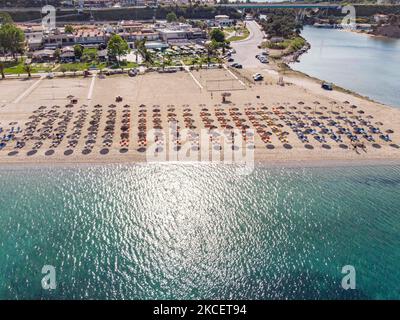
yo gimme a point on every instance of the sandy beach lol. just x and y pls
(184, 112)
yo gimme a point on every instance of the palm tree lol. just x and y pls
(147, 57)
(210, 51)
(138, 44)
(28, 69)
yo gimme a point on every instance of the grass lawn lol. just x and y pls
(17, 67)
(290, 45)
(242, 34)
(82, 66)
(79, 66)
(202, 59)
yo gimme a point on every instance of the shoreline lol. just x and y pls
(288, 68)
(287, 164)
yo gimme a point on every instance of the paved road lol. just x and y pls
(246, 50)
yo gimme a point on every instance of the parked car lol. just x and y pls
(230, 60)
(327, 86)
(236, 65)
(257, 77)
(132, 72)
(262, 58)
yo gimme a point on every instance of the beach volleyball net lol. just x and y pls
(223, 85)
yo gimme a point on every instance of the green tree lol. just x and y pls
(211, 47)
(69, 29)
(171, 17)
(117, 47)
(281, 25)
(78, 51)
(217, 35)
(138, 44)
(12, 40)
(142, 50)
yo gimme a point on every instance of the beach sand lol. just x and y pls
(20, 100)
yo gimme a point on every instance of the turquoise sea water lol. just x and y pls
(199, 231)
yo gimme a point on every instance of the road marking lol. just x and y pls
(91, 87)
(234, 75)
(193, 77)
(28, 91)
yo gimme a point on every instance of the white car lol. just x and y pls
(258, 77)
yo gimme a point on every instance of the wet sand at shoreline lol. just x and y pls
(54, 131)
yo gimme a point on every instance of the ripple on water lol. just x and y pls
(199, 231)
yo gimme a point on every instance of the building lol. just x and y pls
(90, 36)
(46, 55)
(223, 21)
(381, 18)
(171, 34)
(67, 54)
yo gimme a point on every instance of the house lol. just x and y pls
(171, 34)
(34, 41)
(89, 36)
(58, 39)
(45, 55)
(223, 21)
(67, 54)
